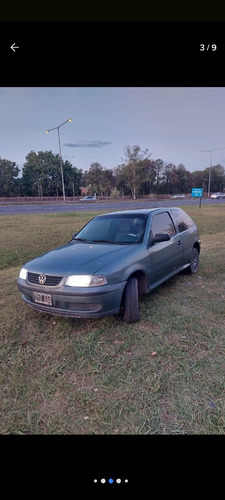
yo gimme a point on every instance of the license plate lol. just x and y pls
(43, 298)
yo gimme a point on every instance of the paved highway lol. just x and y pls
(99, 206)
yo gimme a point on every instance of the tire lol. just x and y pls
(194, 264)
(131, 302)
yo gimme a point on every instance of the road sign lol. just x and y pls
(197, 192)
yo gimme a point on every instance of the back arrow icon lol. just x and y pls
(14, 47)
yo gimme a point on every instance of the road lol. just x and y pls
(99, 206)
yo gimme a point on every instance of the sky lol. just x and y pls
(171, 122)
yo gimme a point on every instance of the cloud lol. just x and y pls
(83, 144)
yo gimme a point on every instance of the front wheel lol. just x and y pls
(131, 301)
(194, 264)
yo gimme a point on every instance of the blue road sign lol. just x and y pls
(197, 192)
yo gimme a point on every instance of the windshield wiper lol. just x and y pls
(82, 239)
(111, 242)
(103, 241)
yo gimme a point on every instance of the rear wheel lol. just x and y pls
(131, 301)
(194, 264)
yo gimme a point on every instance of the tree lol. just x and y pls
(121, 185)
(200, 179)
(133, 171)
(72, 179)
(217, 182)
(38, 171)
(159, 169)
(184, 181)
(94, 178)
(42, 175)
(170, 178)
(108, 181)
(149, 168)
(8, 173)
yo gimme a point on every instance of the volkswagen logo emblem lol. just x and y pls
(42, 279)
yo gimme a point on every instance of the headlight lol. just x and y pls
(23, 274)
(86, 280)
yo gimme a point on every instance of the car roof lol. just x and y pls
(145, 211)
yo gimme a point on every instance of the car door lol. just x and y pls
(186, 229)
(164, 258)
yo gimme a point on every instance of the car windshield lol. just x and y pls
(117, 229)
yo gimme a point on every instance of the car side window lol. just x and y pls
(182, 220)
(162, 223)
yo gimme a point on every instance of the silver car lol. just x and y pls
(178, 196)
(216, 196)
(88, 198)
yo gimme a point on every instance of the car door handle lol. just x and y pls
(179, 242)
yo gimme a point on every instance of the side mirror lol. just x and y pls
(158, 238)
(73, 235)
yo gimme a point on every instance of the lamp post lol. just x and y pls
(60, 153)
(210, 166)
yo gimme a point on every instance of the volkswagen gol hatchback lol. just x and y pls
(113, 260)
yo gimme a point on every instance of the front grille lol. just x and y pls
(50, 280)
(84, 307)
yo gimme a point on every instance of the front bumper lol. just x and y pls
(93, 302)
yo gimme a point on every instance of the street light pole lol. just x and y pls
(60, 154)
(210, 166)
(61, 166)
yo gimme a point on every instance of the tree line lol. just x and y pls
(138, 174)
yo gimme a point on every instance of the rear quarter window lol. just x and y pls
(182, 220)
(162, 223)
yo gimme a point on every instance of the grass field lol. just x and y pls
(162, 375)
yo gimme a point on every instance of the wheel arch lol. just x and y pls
(142, 281)
(197, 246)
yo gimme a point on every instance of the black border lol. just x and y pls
(112, 11)
(159, 466)
(112, 54)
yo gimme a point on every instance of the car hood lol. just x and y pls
(77, 258)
